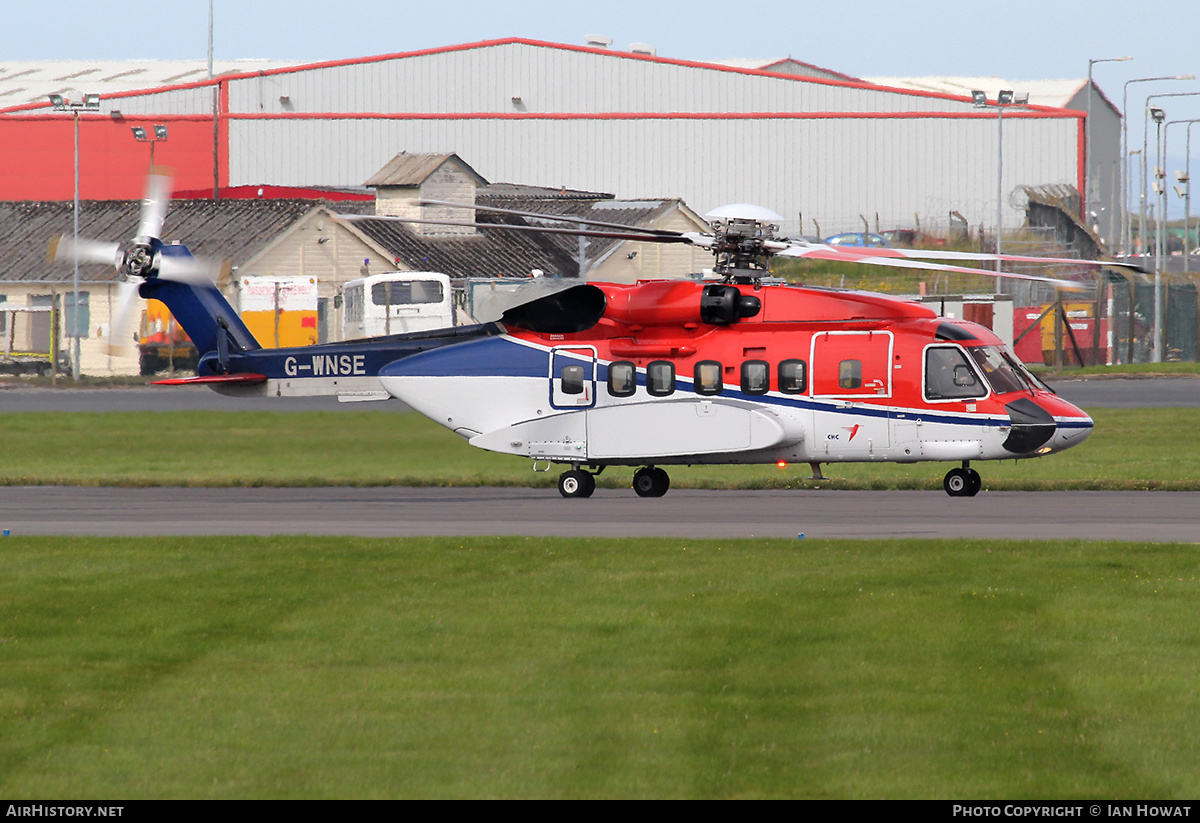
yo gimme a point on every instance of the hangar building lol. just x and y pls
(817, 147)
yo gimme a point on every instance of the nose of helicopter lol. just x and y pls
(1045, 425)
(1072, 426)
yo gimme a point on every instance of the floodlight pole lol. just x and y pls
(1145, 152)
(1159, 188)
(1187, 200)
(89, 102)
(999, 175)
(1160, 239)
(142, 136)
(1165, 135)
(1003, 98)
(1089, 188)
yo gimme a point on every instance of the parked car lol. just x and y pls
(860, 238)
(900, 237)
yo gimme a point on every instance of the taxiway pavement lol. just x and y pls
(400, 512)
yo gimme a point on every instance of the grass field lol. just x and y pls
(518, 667)
(521, 667)
(1130, 449)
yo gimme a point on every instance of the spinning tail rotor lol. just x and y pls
(140, 260)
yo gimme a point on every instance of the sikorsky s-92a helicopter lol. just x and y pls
(668, 372)
(741, 371)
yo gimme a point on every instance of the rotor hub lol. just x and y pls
(740, 249)
(140, 260)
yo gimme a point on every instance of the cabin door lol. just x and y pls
(572, 377)
(852, 382)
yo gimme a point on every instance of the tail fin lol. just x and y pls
(204, 313)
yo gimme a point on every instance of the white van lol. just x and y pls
(396, 302)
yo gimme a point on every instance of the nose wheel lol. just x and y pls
(964, 482)
(576, 483)
(651, 481)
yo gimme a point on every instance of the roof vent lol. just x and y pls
(643, 48)
(598, 40)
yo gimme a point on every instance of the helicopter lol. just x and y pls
(670, 372)
(660, 372)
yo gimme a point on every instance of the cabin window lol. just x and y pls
(622, 378)
(708, 377)
(793, 377)
(572, 379)
(755, 377)
(850, 374)
(948, 375)
(660, 378)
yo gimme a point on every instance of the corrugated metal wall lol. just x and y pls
(830, 170)
(554, 80)
(531, 113)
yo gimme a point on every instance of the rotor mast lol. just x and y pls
(741, 256)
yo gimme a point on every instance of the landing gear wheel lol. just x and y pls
(962, 483)
(976, 483)
(651, 482)
(576, 483)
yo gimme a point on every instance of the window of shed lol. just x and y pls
(755, 377)
(708, 377)
(660, 378)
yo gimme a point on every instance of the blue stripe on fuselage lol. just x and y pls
(354, 358)
(503, 356)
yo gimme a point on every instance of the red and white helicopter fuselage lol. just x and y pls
(677, 372)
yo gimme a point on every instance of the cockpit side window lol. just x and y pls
(997, 370)
(949, 375)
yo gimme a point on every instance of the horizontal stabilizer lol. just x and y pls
(362, 396)
(246, 378)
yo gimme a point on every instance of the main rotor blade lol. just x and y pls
(154, 204)
(559, 218)
(937, 254)
(85, 251)
(832, 253)
(675, 237)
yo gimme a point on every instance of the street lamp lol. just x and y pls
(1125, 152)
(1187, 200)
(84, 102)
(1160, 189)
(1159, 116)
(1146, 154)
(160, 136)
(1090, 189)
(1004, 97)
